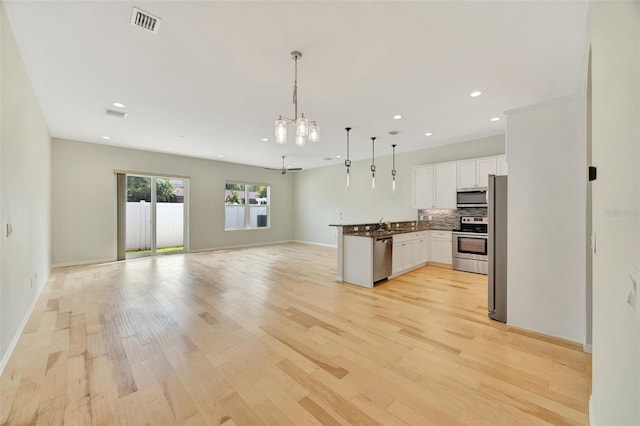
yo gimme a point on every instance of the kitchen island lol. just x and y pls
(371, 253)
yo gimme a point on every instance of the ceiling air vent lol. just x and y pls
(394, 132)
(145, 21)
(114, 113)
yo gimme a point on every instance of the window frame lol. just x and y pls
(247, 205)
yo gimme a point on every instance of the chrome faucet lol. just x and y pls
(380, 223)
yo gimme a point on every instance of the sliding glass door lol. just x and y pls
(155, 215)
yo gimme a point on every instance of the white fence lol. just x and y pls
(169, 225)
(234, 216)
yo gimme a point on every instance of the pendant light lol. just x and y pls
(393, 169)
(347, 162)
(373, 163)
(305, 129)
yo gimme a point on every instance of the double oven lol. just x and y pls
(470, 245)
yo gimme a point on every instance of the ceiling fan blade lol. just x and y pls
(294, 169)
(271, 168)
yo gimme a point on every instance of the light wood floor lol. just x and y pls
(266, 336)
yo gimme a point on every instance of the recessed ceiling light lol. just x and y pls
(338, 156)
(475, 94)
(397, 117)
(265, 139)
(106, 137)
(118, 105)
(428, 134)
(495, 119)
(221, 156)
(180, 137)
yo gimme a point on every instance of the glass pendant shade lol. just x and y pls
(393, 185)
(373, 183)
(302, 126)
(347, 186)
(281, 131)
(314, 133)
(300, 140)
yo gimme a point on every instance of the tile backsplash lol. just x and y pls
(448, 219)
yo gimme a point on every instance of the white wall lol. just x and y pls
(84, 199)
(25, 154)
(614, 32)
(547, 218)
(320, 197)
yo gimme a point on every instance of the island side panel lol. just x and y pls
(340, 241)
(358, 260)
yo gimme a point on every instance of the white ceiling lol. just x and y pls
(217, 74)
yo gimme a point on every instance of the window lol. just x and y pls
(246, 206)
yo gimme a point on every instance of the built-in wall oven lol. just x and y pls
(470, 245)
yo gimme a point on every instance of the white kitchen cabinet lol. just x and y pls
(410, 251)
(421, 249)
(440, 249)
(423, 187)
(475, 173)
(445, 188)
(503, 167)
(466, 174)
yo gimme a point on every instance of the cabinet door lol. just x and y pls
(397, 259)
(421, 251)
(445, 175)
(484, 168)
(503, 168)
(466, 174)
(441, 251)
(423, 187)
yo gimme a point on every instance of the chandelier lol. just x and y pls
(305, 129)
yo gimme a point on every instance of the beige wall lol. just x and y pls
(25, 155)
(547, 218)
(614, 32)
(320, 197)
(84, 199)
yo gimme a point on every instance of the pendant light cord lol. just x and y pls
(295, 89)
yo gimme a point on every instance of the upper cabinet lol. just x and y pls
(434, 186)
(475, 173)
(445, 185)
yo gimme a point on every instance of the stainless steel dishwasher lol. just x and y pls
(382, 257)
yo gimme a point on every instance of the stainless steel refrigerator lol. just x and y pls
(497, 249)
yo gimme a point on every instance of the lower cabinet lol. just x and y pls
(440, 249)
(410, 251)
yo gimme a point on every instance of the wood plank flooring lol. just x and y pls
(266, 336)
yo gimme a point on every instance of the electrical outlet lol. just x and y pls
(430, 217)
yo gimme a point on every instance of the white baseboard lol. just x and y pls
(591, 411)
(587, 348)
(316, 244)
(83, 262)
(239, 246)
(23, 324)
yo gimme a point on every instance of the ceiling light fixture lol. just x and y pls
(393, 169)
(265, 139)
(373, 163)
(495, 119)
(106, 137)
(347, 162)
(304, 130)
(475, 94)
(428, 134)
(397, 117)
(220, 156)
(118, 105)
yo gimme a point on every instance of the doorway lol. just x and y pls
(152, 215)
